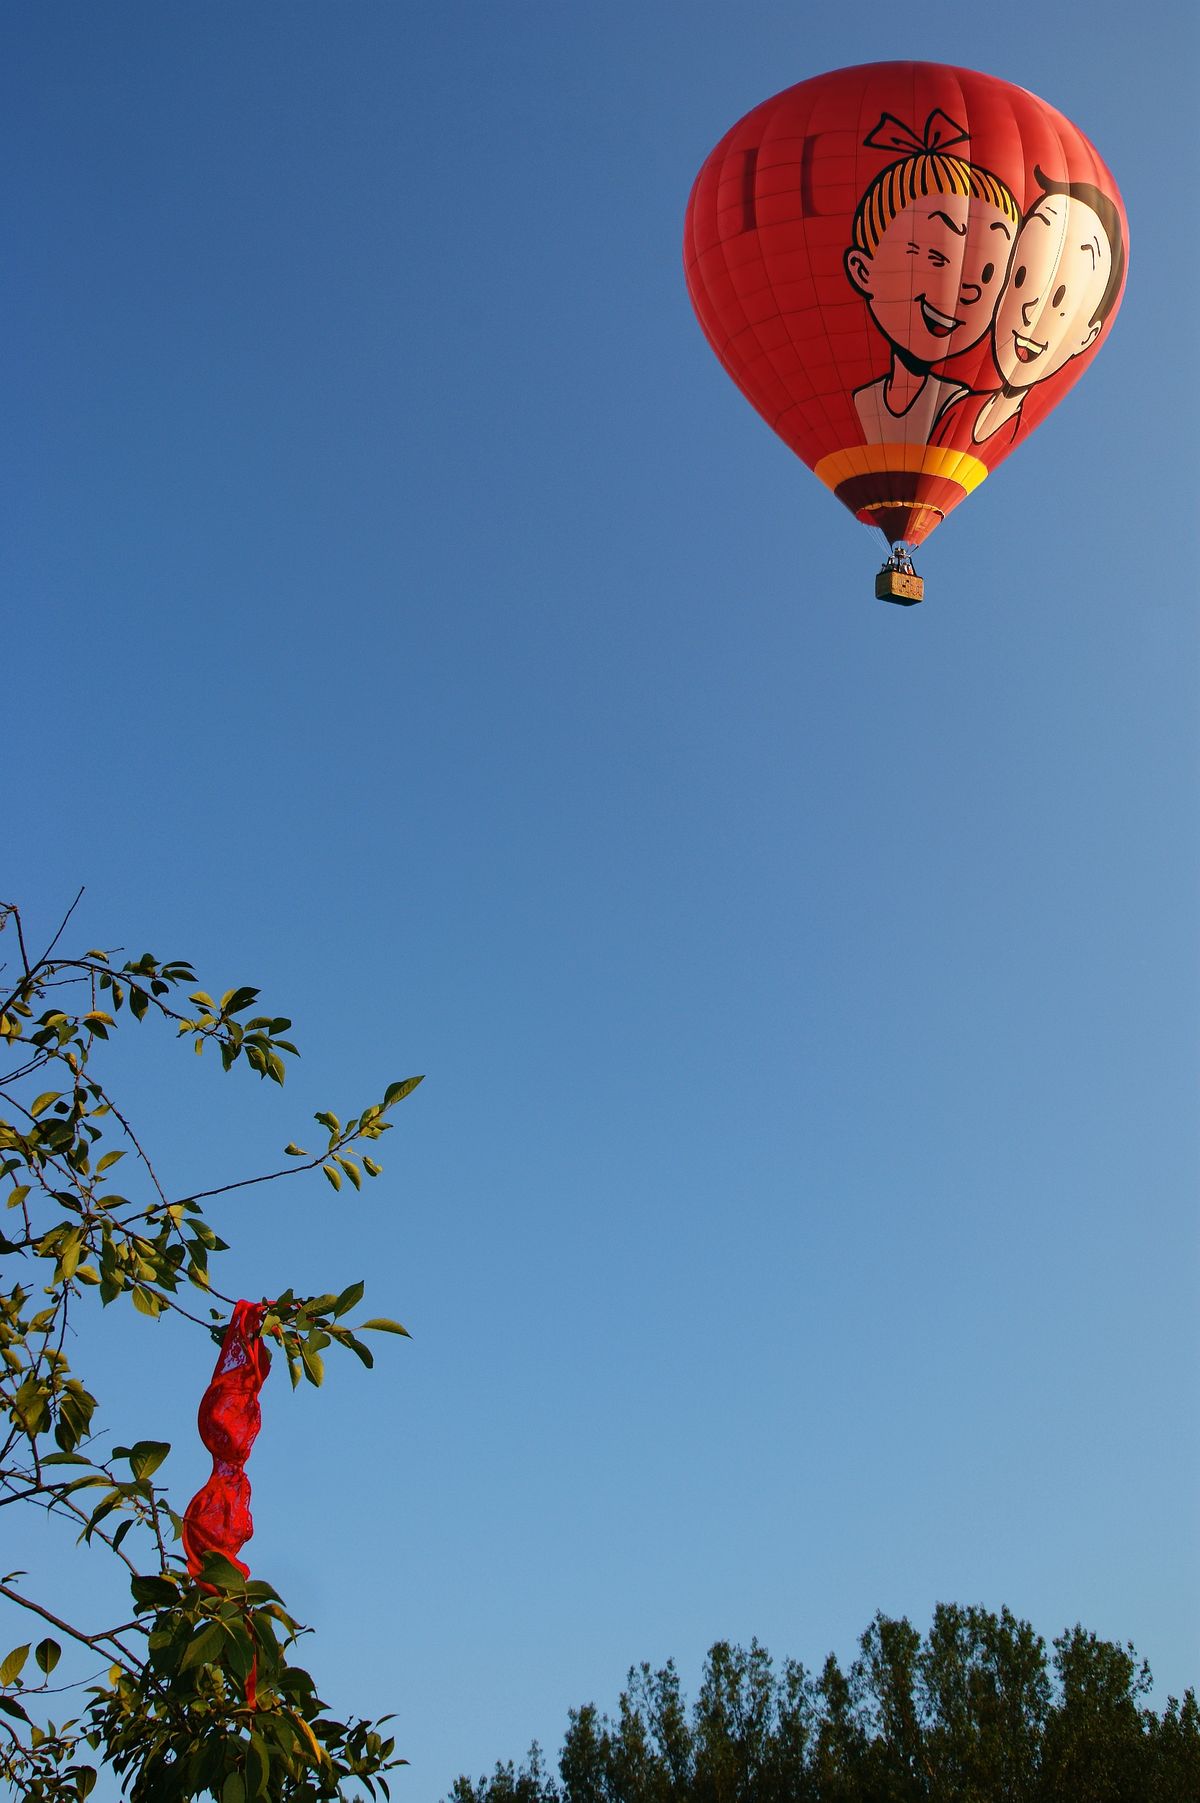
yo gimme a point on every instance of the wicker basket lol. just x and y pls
(898, 586)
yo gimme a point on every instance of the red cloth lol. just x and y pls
(218, 1517)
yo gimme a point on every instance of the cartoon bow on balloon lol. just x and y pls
(940, 133)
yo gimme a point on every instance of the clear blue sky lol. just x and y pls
(405, 613)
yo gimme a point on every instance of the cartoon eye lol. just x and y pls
(989, 270)
(937, 259)
(1019, 277)
(1056, 299)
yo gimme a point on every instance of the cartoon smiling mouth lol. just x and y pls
(940, 324)
(1026, 348)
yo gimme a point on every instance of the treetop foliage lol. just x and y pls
(975, 1711)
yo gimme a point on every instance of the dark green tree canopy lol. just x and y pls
(976, 1711)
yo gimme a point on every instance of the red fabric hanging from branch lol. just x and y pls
(218, 1517)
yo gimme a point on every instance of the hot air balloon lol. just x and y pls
(904, 267)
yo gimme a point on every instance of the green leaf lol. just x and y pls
(349, 1298)
(359, 1350)
(153, 1592)
(371, 1168)
(13, 1665)
(204, 1648)
(103, 1508)
(234, 1000)
(352, 1171)
(40, 1105)
(258, 1765)
(222, 1573)
(333, 1174)
(259, 1591)
(70, 1252)
(314, 1367)
(396, 1092)
(147, 1455)
(239, 1654)
(110, 1158)
(10, 1707)
(382, 1325)
(319, 1305)
(47, 1653)
(233, 1790)
(291, 1150)
(92, 1480)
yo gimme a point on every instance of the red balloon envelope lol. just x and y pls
(904, 267)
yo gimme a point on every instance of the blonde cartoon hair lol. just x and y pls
(926, 168)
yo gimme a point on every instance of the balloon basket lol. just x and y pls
(897, 581)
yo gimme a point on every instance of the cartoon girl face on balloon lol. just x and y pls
(931, 243)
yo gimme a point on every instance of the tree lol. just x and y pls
(973, 1712)
(1096, 1744)
(170, 1715)
(984, 1693)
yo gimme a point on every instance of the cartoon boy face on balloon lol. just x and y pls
(1063, 283)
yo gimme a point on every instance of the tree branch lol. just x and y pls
(288, 1170)
(64, 1627)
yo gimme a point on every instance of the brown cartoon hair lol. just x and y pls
(1110, 218)
(927, 168)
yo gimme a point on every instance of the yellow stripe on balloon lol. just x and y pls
(919, 459)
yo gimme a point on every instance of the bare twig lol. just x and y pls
(137, 1145)
(30, 970)
(62, 926)
(16, 914)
